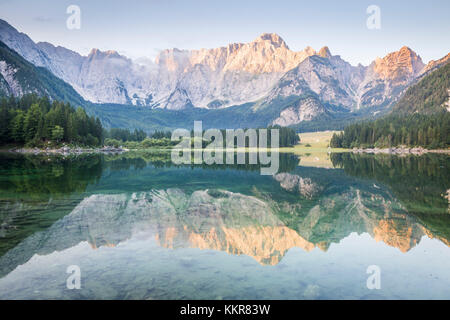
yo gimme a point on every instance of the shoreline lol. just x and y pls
(68, 151)
(120, 150)
(400, 151)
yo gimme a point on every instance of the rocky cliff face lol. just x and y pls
(302, 110)
(386, 78)
(18, 77)
(9, 85)
(331, 79)
(235, 74)
(267, 53)
(23, 45)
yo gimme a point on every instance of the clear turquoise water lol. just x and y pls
(140, 228)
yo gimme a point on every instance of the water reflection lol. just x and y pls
(113, 202)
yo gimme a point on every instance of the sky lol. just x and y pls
(137, 28)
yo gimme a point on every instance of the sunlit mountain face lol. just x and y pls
(240, 85)
(141, 228)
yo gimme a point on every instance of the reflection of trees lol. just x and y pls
(124, 163)
(420, 183)
(37, 176)
(287, 162)
(36, 191)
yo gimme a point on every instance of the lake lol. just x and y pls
(136, 226)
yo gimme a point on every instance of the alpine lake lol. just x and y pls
(137, 226)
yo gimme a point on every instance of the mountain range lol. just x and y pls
(263, 82)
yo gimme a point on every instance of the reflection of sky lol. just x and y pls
(139, 268)
(142, 28)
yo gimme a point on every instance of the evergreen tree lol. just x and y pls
(32, 122)
(17, 127)
(57, 133)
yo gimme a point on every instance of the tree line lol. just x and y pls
(32, 120)
(287, 136)
(139, 140)
(414, 130)
(125, 135)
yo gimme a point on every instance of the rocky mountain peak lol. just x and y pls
(406, 50)
(273, 38)
(94, 51)
(98, 54)
(399, 64)
(325, 52)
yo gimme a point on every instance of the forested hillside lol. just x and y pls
(420, 118)
(428, 96)
(32, 120)
(429, 131)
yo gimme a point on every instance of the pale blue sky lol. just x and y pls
(139, 28)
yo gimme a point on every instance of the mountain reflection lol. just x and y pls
(306, 208)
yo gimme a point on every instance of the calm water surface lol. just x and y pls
(141, 228)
